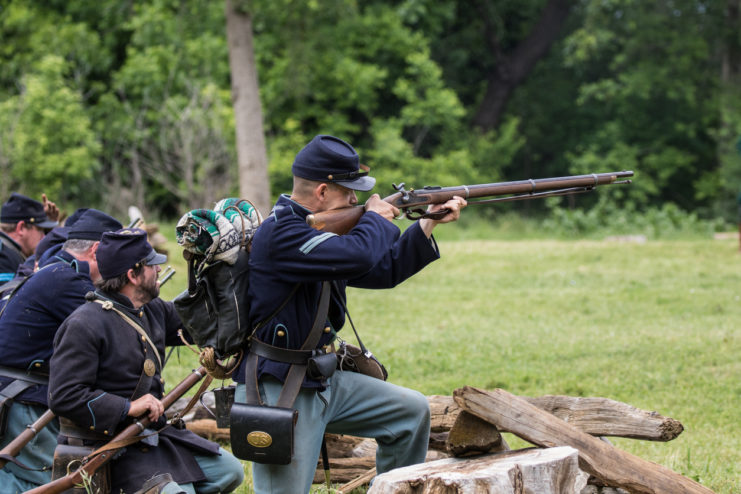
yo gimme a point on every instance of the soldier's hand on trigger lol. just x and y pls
(454, 207)
(146, 404)
(377, 205)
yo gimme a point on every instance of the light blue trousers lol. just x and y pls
(38, 453)
(397, 418)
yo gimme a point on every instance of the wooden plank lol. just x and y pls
(615, 467)
(596, 416)
(605, 417)
(542, 471)
(358, 482)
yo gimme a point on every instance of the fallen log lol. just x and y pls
(605, 417)
(545, 471)
(595, 416)
(345, 469)
(207, 428)
(351, 469)
(443, 412)
(615, 467)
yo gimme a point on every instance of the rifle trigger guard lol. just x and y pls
(419, 213)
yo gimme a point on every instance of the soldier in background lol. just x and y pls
(28, 324)
(23, 223)
(106, 371)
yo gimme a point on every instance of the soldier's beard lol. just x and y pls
(149, 290)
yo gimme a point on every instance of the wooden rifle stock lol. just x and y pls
(16, 445)
(96, 461)
(411, 201)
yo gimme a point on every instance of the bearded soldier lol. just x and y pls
(107, 370)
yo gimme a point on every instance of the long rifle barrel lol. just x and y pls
(95, 461)
(411, 201)
(16, 445)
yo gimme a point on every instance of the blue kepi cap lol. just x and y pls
(22, 208)
(330, 159)
(125, 249)
(91, 225)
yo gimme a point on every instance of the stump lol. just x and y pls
(545, 471)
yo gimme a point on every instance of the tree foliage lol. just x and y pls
(110, 103)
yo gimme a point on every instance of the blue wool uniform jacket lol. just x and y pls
(97, 363)
(286, 251)
(33, 314)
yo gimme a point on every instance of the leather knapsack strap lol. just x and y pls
(147, 373)
(296, 372)
(108, 305)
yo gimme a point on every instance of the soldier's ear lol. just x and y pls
(131, 276)
(321, 191)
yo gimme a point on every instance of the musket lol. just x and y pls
(104, 454)
(16, 445)
(165, 275)
(411, 202)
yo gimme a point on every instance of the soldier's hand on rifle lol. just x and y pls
(377, 205)
(453, 206)
(146, 404)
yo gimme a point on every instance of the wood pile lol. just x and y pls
(468, 454)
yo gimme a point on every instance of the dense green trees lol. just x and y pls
(111, 103)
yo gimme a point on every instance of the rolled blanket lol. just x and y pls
(240, 212)
(209, 234)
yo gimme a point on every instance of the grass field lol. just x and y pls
(654, 325)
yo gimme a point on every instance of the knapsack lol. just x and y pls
(214, 309)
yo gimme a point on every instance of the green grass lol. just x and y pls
(654, 325)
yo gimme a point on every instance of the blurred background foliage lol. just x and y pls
(112, 103)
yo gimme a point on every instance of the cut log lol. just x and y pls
(439, 441)
(345, 469)
(471, 435)
(545, 471)
(443, 412)
(343, 446)
(605, 417)
(207, 428)
(615, 467)
(596, 416)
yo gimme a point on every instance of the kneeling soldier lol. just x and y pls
(106, 370)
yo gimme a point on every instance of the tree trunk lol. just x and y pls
(254, 183)
(512, 68)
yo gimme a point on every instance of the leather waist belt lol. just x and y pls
(9, 392)
(282, 354)
(23, 375)
(73, 431)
